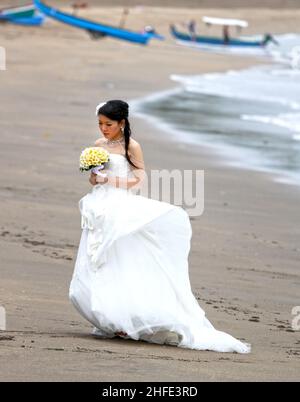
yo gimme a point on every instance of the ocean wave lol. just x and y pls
(288, 120)
(258, 84)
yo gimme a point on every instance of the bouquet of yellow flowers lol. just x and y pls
(94, 158)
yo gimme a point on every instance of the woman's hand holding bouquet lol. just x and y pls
(94, 159)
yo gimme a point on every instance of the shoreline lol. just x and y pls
(223, 150)
(244, 261)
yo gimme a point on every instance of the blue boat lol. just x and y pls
(17, 12)
(192, 38)
(206, 40)
(36, 20)
(23, 15)
(95, 29)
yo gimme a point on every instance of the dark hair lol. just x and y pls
(118, 110)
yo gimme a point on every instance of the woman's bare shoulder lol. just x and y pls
(134, 145)
(136, 153)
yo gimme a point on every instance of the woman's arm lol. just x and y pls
(123, 182)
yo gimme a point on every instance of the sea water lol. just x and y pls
(251, 116)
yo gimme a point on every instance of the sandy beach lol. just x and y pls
(244, 260)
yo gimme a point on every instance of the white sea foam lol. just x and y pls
(270, 95)
(254, 84)
(291, 121)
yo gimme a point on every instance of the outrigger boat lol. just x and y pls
(96, 30)
(17, 12)
(23, 15)
(191, 38)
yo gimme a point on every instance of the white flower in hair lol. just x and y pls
(99, 107)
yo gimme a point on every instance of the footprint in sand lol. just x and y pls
(30, 239)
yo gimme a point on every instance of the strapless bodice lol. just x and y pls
(118, 166)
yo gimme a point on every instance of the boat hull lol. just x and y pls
(206, 40)
(92, 27)
(17, 12)
(32, 21)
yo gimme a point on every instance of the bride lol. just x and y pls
(131, 273)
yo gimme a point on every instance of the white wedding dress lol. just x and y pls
(131, 273)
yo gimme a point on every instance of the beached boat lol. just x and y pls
(26, 15)
(96, 30)
(17, 12)
(36, 20)
(226, 40)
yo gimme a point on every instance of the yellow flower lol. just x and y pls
(93, 156)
